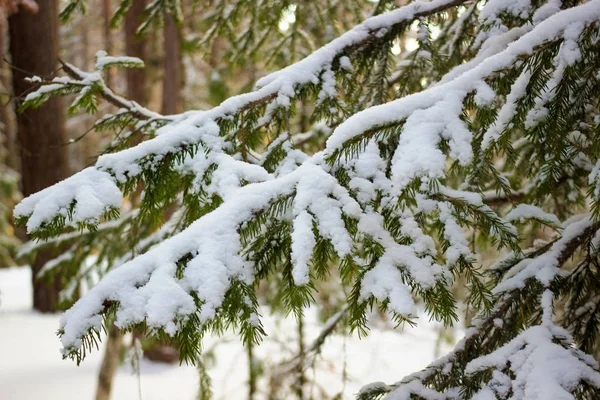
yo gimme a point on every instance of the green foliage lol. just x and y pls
(73, 7)
(120, 12)
(153, 13)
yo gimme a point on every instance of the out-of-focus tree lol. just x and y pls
(41, 136)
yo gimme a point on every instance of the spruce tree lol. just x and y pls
(482, 139)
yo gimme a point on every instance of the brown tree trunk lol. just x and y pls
(171, 97)
(41, 135)
(108, 47)
(135, 47)
(109, 363)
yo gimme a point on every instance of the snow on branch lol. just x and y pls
(280, 86)
(547, 266)
(524, 366)
(435, 108)
(212, 249)
(203, 126)
(78, 200)
(526, 211)
(89, 85)
(377, 211)
(142, 286)
(103, 61)
(82, 78)
(540, 363)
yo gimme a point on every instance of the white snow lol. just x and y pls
(93, 192)
(454, 234)
(545, 267)
(146, 287)
(45, 89)
(526, 211)
(227, 176)
(385, 281)
(303, 243)
(542, 368)
(494, 8)
(103, 60)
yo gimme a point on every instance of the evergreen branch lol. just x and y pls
(135, 109)
(486, 333)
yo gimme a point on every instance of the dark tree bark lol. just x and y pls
(34, 50)
(135, 47)
(171, 97)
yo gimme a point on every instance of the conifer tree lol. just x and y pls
(482, 138)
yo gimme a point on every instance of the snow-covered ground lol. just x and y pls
(31, 367)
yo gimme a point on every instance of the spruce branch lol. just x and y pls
(135, 109)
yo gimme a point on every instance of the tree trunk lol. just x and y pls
(135, 47)
(171, 98)
(106, 14)
(300, 378)
(252, 371)
(40, 132)
(109, 363)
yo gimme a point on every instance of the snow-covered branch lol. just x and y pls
(402, 199)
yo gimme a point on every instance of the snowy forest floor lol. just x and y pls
(31, 367)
